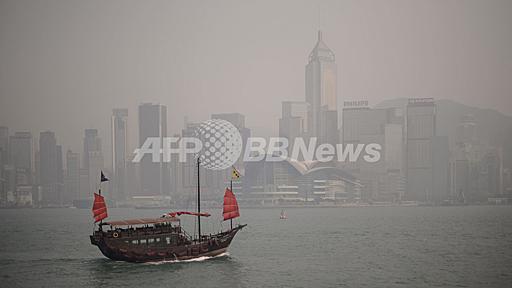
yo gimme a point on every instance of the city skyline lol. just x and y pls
(235, 70)
(392, 179)
(417, 163)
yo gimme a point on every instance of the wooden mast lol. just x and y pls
(231, 188)
(198, 202)
(99, 192)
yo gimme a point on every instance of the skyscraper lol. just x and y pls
(119, 152)
(382, 180)
(294, 121)
(154, 177)
(50, 170)
(321, 93)
(20, 150)
(4, 144)
(421, 129)
(91, 143)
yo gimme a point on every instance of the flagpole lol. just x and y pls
(102, 178)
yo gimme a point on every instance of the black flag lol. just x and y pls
(103, 178)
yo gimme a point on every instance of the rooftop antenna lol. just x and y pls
(319, 21)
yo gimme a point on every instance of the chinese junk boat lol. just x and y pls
(161, 239)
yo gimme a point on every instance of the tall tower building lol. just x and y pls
(20, 150)
(92, 142)
(321, 93)
(154, 177)
(119, 151)
(50, 169)
(421, 129)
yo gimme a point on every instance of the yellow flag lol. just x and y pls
(235, 174)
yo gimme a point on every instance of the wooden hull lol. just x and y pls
(210, 246)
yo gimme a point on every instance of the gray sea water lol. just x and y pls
(328, 247)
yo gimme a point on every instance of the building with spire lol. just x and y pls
(321, 93)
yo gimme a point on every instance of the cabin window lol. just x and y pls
(157, 240)
(171, 240)
(143, 241)
(135, 242)
(151, 241)
(126, 241)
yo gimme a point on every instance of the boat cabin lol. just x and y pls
(148, 231)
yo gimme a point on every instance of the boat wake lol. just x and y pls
(198, 259)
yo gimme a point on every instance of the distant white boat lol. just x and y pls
(283, 215)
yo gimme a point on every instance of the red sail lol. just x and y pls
(99, 208)
(230, 210)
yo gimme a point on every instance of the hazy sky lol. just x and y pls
(65, 64)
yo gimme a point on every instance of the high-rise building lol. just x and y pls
(491, 170)
(237, 119)
(72, 177)
(421, 129)
(321, 93)
(4, 145)
(119, 152)
(20, 150)
(50, 170)
(294, 121)
(92, 142)
(440, 170)
(394, 143)
(4, 160)
(382, 180)
(154, 177)
(465, 163)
